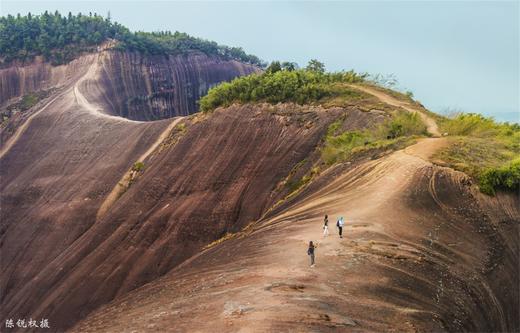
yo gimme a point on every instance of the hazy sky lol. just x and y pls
(461, 55)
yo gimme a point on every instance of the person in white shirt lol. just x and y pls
(340, 225)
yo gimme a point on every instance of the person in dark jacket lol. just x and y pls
(326, 226)
(310, 252)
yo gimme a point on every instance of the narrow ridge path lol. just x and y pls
(431, 125)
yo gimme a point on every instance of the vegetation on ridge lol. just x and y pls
(62, 38)
(283, 83)
(484, 149)
(392, 133)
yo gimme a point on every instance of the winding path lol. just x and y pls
(431, 125)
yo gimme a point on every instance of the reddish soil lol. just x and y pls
(422, 252)
(94, 245)
(68, 246)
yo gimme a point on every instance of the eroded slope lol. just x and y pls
(59, 162)
(63, 256)
(423, 251)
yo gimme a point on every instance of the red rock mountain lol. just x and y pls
(122, 210)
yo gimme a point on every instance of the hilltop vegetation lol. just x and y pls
(283, 83)
(62, 38)
(484, 149)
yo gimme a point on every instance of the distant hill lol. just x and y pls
(62, 38)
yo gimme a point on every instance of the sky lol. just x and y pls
(453, 55)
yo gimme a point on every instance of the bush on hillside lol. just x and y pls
(506, 177)
(476, 125)
(279, 85)
(339, 147)
(138, 166)
(485, 149)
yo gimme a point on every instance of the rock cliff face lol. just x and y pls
(61, 158)
(134, 86)
(158, 87)
(16, 81)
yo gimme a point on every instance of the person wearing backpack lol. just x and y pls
(340, 225)
(326, 226)
(310, 252)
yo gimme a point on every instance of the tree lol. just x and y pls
(274, 67)
(315, 66)
(62, 38)
(289, 66)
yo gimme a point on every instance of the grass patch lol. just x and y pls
(394, 132)
(174, 136)
(484, 149)
(295, 186)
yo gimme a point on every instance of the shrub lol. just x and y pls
(138, 166)
(405, 124)
(506, 177)
(471, 124)
(484, 149)
(279, 85)
(28, 101)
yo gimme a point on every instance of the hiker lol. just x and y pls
(340, 225)
(326, 226)
(310, 252)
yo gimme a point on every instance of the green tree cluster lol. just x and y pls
(281, 82)
(61, 38)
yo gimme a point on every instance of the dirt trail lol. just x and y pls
(431, 125)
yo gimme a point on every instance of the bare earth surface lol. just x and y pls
(422, 251)
(401, 266)
(59, 163)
